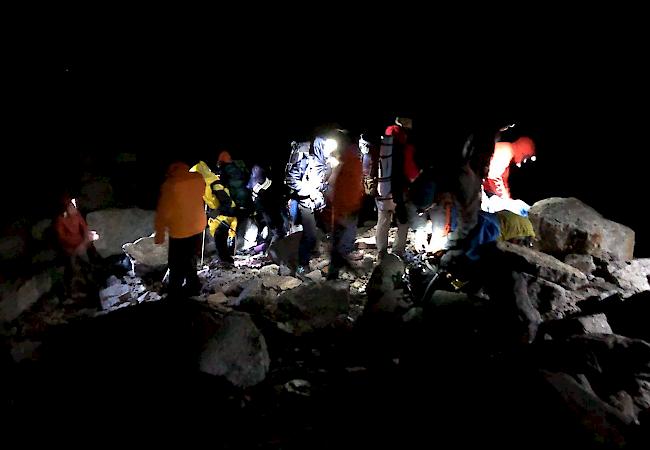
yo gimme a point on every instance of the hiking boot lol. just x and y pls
(301, 273)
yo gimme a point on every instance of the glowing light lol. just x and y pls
(94, 235)
(330, 146)
(74, 202)
(533, 158)
(518, 164)
(438, 240)
(333, 162)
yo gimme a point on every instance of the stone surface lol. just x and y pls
(17, 297)
(584, 263)
(117, 227)
(146, 255)
(312, 306)
(236, 351)
(523, 259)
(566, 225)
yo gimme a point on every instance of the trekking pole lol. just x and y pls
(203, 240)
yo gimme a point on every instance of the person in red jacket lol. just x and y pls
(76, 242)
(506, 153)
(346, 194)
(181, 213)
(396, 171)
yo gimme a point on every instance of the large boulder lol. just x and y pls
(565, 328)
(284, 251)
(541, 265)
(550, 299)
(17, 297)
(566, 225)
(385, 288)
(117, 227)
(236, 351)
(630, 276)
(584, 263)
(147, 256)
(312, 306)
(281, 283)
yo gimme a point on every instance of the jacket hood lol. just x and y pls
(202, 168)
(177, 169)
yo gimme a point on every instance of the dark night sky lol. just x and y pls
(579, 100)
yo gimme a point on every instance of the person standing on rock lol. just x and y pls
(346, 194)
(181, 213)
(76, 242)
(307, 178)
(396, 171)
(267, 208)
(234, 176)
(222, 222)
(461, 182)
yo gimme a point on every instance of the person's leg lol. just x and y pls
(337, 258)
(384, 219)
(191, 246)
(221, 242)
(308, 240)
(175, 263)
(348, 234)
(399, 246)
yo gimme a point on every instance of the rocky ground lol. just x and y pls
(263, 359)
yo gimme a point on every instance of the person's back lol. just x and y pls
(181, 213)
(234, 176)
(180, 207)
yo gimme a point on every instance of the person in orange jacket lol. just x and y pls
(346, 195)
(181, 213)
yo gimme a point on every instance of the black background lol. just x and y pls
(76, 96)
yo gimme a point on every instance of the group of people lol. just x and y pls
(193, 198)
(456, 203)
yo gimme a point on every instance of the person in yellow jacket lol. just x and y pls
(181, 213)
(221, 210)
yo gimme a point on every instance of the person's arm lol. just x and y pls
(225, 203)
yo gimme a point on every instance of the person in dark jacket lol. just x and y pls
(266, 208)
(307, 179)
(234, 176)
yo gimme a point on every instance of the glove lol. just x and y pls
(402, 215)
